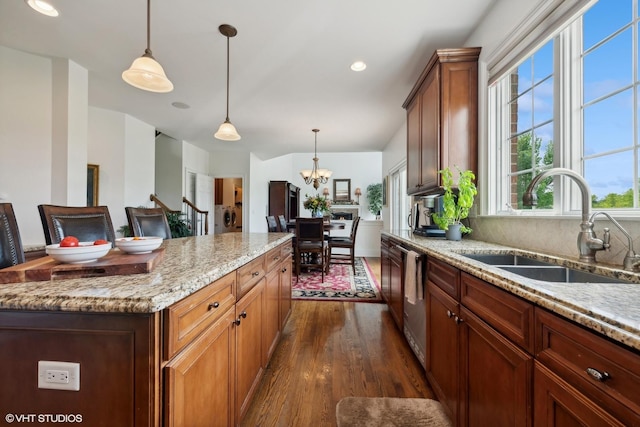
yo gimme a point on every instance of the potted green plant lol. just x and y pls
(374, 196)
(456, 206)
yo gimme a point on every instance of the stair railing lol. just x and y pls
(198, 218)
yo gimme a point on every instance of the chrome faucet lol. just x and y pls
(588, 243)
(631, 259)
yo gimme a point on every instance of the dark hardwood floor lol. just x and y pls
(330, 350)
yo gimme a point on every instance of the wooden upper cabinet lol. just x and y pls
(442, 119)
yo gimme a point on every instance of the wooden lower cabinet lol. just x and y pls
(218, 359)
(495, 377)
(199, 383)
(396, 285)
(481, 377)
(443, 342)
(385, 270)
(249, 346)
(558, 404)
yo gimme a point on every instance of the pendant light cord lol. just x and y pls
(148, 27)
(227, 79)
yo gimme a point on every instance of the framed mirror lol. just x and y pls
(341, 190)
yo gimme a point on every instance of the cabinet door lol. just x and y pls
(285, 290)
(385, 270)
(249, 315)
(558, 404)
(199, 382)
(442, 355)
(430, 130)
(396, 286)
(496, 377)
(271, 321)
(414, 156)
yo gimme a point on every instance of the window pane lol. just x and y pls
(543, 102)
(543, 62)
(608, 124)
(543, 145)
(522, 106)
(522, 78)
(611, 180)
(604, 18)
(609, 67)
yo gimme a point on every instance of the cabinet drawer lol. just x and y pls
(571, 351)
(273, 258)
(249, 274)
(186, 319)
(286, 249)
(506, 313)
(445, 276)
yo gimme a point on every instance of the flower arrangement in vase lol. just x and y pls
(456, 207)
(317, 204)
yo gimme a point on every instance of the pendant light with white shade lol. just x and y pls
(227, 131)
(145, 72)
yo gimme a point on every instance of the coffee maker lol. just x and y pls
(421, 221)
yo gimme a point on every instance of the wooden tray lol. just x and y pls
(112, 264)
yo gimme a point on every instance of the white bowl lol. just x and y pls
(138, 245)
(85, 252)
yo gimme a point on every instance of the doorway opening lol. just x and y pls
(227, 206)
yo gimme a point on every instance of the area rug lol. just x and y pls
(339, 285)
(390, 412)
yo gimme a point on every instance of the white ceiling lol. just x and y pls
(289, 63)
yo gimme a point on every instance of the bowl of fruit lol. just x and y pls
(138, 245)
(71, 250)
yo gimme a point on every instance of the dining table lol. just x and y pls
(328, 225)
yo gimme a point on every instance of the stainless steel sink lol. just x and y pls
(506, 259)
(541, 270)
(561, 274)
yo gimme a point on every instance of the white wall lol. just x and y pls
(25, 138)
(124, 148)
(169, 184)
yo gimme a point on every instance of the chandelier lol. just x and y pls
(316, 175)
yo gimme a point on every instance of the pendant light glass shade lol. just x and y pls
(227, 131)
(145, 72)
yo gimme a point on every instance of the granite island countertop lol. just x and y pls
(612, 309)
(189, 264)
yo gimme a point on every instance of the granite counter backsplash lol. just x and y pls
(189, 264)
(612, 309)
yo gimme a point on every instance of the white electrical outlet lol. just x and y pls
(58, 375)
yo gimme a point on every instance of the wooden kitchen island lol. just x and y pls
(184, 345)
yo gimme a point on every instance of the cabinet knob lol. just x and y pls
(214, 305)
(284, 269)
(597, 375)
(243, 314)
(458, 320)
(255, 273)
(449, 314)
(237, 322)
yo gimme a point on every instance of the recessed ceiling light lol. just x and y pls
(42, 7)
(358, 66)
(181, 105)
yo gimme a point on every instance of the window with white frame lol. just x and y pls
(571, 102)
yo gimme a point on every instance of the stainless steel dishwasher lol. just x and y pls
(415, 314)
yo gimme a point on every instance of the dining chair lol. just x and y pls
(272, 224)
(348, 243)
(11, 251)
(87, 223)
(311, 248)
(282, 222)
(148, 222)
